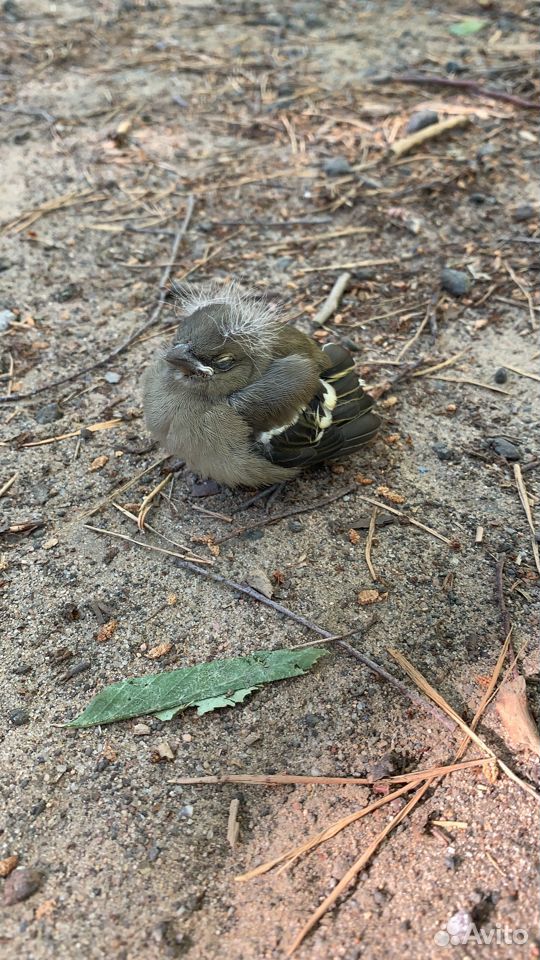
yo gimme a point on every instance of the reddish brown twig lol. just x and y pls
(471, 86)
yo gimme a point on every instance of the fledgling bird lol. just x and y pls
(248, 400)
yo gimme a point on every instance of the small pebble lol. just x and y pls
(80, 666)
(187, 738)
(455, 282)
(49, 413)
(6, 317)
(524, 212)
(505, 449)
(500, 375)
(19, 718)
(337, 167)
(153, 853)
(68, 293)
(165, 751)
(38, 808)
(380, 897)
(282, 263)
(252, 535)
(450, 858)
(418, 121)
(454, 66)
(112, 377)
(20, 885)
(442, 451)
(102, 764)
(295, 526)
(186, 812)
(477, 198)
(141, 730)
(22, 669)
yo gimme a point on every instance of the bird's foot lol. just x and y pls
(173, 465)
(269, 493)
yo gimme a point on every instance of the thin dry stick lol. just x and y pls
(522, 373)
(147, 546)
(147, 502)
(440, 366)
(527, 508)
(121, 489)
(487, 696)
(415, 337)
(526, 293)
(93, 428)
(122, 347)
(405, 516)
(284, 611)
(399, 147)
(283, 779)
(294, 853)
(369, 542)
(190, 555)
(476, 89)
(434, 695)
(473, 383)
(333, 300)
(344, 266)
(9, 483)
(357, 867)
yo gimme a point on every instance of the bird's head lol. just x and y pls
(224, 342)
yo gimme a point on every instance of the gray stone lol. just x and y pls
(337, 167)
(19, 717)
(6, 317)
(524, 212)
(418, 121)
(505, 449)
(442, 451)
(456, 282)
(500, 375)
(112, 377)
(49, 413)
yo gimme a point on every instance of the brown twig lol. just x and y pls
(333, 300)
(402, 146)
(522, 490)
(122, 347)
(285, 779)
(470, 85)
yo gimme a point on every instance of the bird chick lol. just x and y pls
(249, 401)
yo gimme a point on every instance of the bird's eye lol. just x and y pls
(224, 363)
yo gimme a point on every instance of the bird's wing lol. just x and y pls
(336, 421)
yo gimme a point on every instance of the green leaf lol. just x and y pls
(166, 693)
(216, 703)
(212, 703)
(467, 27)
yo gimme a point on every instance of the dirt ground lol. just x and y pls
(118, 112)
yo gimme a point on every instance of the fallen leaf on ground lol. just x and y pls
(354, 536)
(204, 686)
(390, 495)
(159, 651)
(8, 865)
(99, 462)
(365, 597)
(106, 631)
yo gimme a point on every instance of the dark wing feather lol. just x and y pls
(337, 421)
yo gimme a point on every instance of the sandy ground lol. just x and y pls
(123, 112)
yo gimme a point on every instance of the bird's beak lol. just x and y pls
(181, 357)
